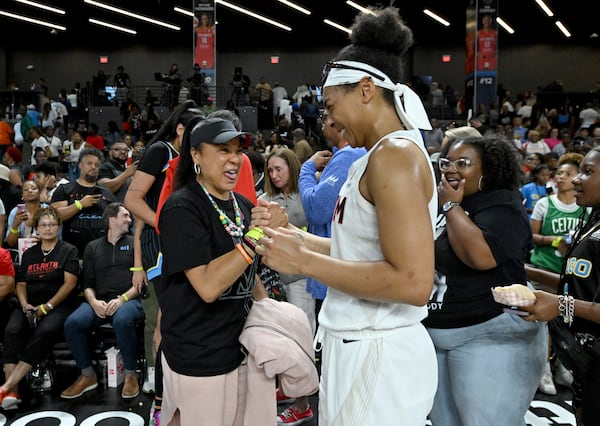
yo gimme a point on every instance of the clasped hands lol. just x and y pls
(107, 309)
(281, 247)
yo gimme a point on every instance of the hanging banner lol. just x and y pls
(481, 54)
(203, 78)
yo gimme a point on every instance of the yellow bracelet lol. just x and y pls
(247, 257)
(136, 268)
(14, 230)
(255, 233)
(125, 298)
(43, 310)
(78, 205)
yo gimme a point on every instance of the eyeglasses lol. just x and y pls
(47, 225)
(459, 165)
(330, 65)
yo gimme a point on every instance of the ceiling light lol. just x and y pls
(338, 26)
(32, 20)
(436, 17)
(562, 28)
(359, 7)
(42, 6)
(295, 6)
(132, 14)
(504, 25)
(253, 14)
(183, 11)
(113, 26)
(544, 7)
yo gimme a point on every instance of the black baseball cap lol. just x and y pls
(216, 131)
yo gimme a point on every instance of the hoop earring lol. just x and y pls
(479, 183)
(197, 168)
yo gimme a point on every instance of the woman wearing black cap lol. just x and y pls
(209, 278)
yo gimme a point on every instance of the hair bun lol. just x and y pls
(384, 31)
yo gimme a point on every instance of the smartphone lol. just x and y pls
(21, 207)
(97, 190)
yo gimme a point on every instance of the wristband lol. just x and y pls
(250, 243)
(124, 297)
(43, 310)
(50, 306)
(252, 237)
(244, 253)
(14, 230)
(556, 242)
(136, 268)
(78, 205)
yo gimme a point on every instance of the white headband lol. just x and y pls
(348, 72)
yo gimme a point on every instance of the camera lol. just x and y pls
(159, 76)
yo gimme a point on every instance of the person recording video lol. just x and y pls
(173, 85)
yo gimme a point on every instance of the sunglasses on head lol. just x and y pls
(332, 64)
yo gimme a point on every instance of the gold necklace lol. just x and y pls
(593, 229)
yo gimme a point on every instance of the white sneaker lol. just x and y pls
(562, 376)
(148, 386)
(546, 383)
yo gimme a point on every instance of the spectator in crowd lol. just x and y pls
(553, 220)
(93, 139)
(302, 148)
(71, 150)
(114, 174)
(482, 241)
(141, 200)
(434, 137)
(46, 279)
(54, 144)
(535, 190)
(122, 82)
(21, 217)
(258, 171)
(13, 159)
(574, 309)
(81, 203)
(46, 177)
(9, 193)
(7, 288)
(110, 290)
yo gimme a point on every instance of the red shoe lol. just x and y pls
(283, 399)
(10, 401)
(293, 417)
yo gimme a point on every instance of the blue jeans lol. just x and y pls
(124, 323)
(488, 373)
